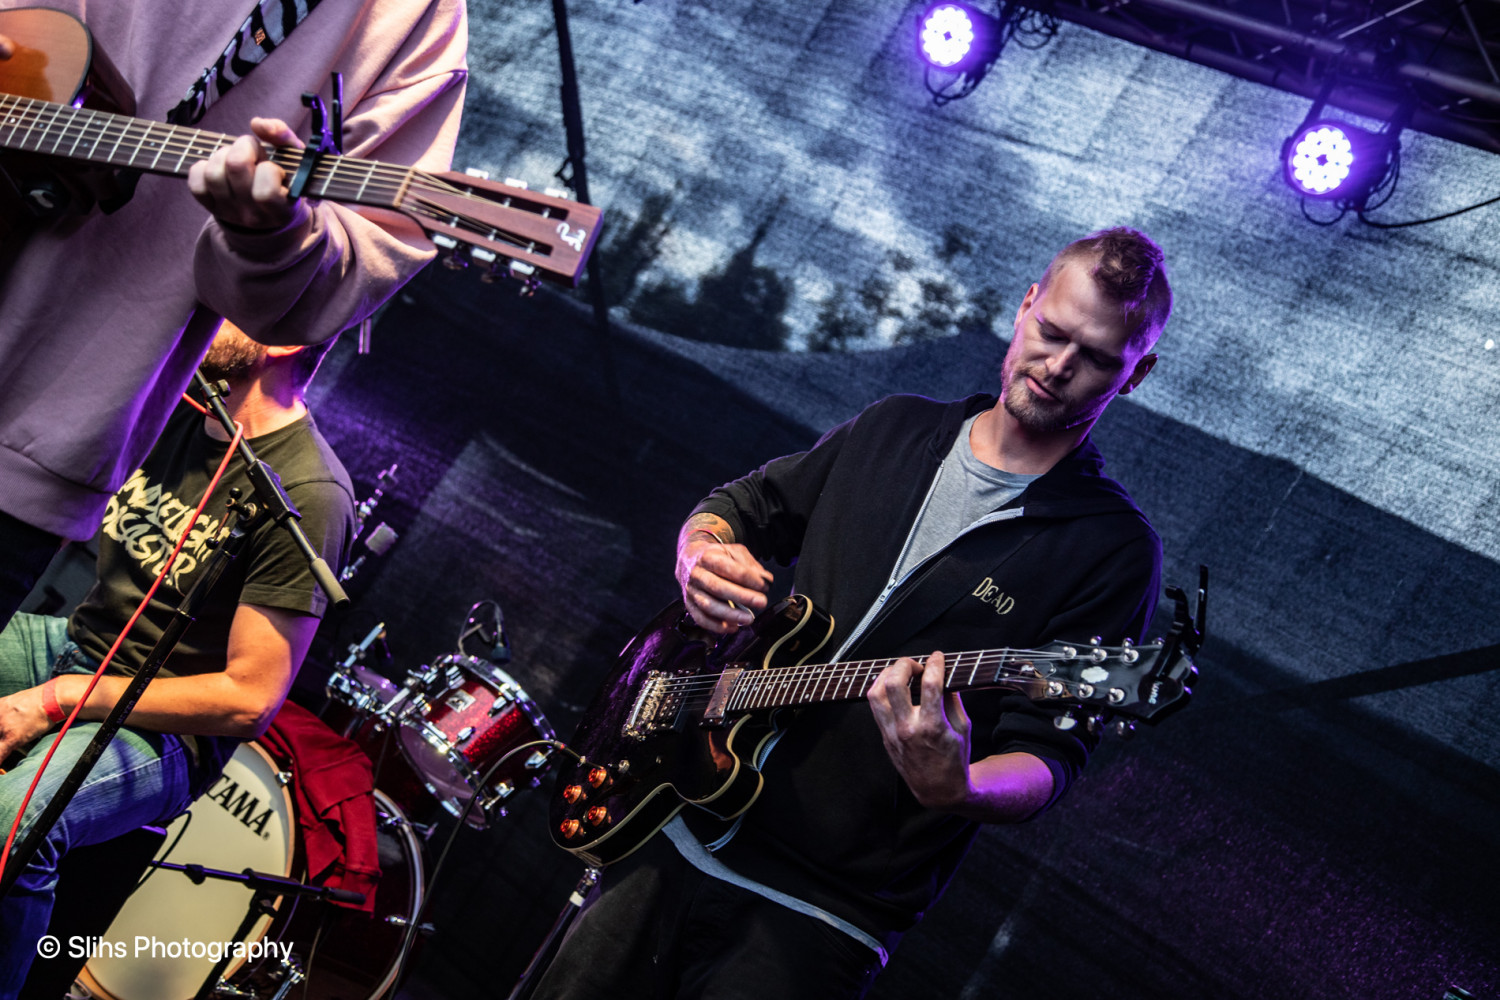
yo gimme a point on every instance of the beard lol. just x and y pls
(232, 357)
(1039, 414)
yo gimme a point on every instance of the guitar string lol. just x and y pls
(173, 143)
(179, 143)
(746, 699)
(791, 678)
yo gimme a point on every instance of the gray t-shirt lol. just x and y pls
(965, 490)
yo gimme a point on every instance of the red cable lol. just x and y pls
(15, 825)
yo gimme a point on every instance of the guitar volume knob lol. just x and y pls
(598, 776)
(570, 828)
(572, 794)
(597, 815)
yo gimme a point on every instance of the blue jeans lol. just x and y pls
(142, 778)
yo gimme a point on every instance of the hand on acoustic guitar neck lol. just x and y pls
(240, 186)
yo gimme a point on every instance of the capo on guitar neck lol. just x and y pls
(326, 136)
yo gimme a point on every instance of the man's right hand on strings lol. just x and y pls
(723, 585)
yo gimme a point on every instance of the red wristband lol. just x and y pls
(55, 713)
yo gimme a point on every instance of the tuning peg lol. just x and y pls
(526, 275)
(450, 250)
(1123, 728)
(1065, 721)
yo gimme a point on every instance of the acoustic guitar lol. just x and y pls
(63, 105)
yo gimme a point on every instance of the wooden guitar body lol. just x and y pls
(636, 778)
(55, 60)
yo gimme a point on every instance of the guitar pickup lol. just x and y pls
(718, 699)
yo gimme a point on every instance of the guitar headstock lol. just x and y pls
(505, 229)
(1143, 683)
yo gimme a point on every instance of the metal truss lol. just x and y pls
(1430, 64)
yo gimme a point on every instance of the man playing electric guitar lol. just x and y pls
(918, 525)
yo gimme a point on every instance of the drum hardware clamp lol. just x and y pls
(425, 928)
(292, 975)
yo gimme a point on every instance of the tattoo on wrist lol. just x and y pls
(711, 525)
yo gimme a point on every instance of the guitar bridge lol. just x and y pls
(655, 708)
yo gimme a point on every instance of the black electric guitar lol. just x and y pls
(63, 105)
(682, 716)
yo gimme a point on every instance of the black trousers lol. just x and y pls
(25, 552)
(662, 929)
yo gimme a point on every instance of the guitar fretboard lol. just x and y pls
(33, 126)
(780, 687)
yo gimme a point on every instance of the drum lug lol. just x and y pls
(464, 735)
(501, 703)
(536, 761)
(488, 803)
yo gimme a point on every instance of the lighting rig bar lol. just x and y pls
(1435, 60)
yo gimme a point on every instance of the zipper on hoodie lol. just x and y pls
(892, 584)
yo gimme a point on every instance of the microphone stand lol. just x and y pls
(244, 516)
(268, 492)
(574, 173)
(268, 888)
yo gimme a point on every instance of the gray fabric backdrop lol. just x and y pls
(793, 230)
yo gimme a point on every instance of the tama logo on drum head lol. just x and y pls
(241, 805)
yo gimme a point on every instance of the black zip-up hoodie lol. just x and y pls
(1070, 558)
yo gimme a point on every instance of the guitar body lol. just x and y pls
(54, 60)
(647, 778)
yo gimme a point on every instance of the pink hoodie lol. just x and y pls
(103, 319)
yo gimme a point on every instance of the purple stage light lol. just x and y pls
(1321, 159)
(946, 35)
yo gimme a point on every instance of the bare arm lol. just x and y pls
(929, 746)
(266, 645)
(723, 585)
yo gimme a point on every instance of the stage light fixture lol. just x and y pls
(959, 44)
(1335, 160)
(949, 35)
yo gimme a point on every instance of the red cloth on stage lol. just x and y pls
(333, 787)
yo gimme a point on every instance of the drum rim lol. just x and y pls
(419, 873)
(413, 719)
(294, 863)
(506, 684)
